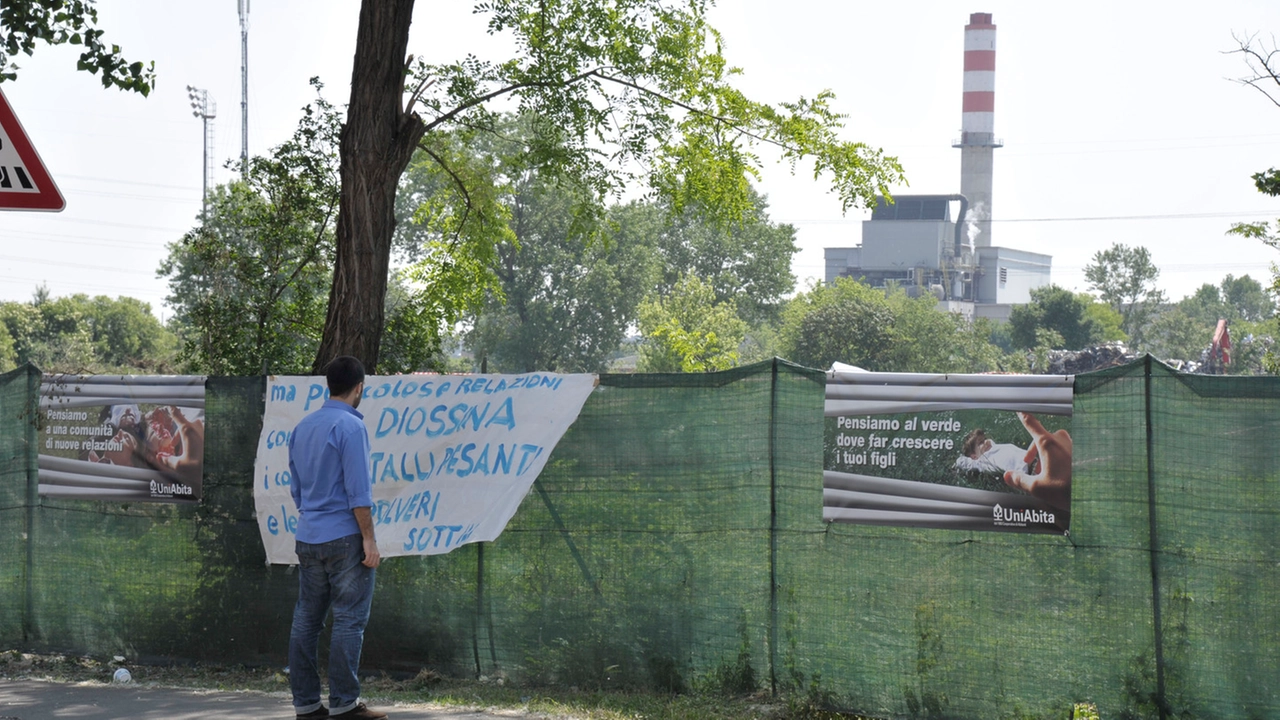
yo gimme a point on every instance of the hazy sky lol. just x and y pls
(1119, 119)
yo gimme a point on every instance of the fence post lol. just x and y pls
(773, 530)
(33, 499)
(1153, 539)
(475, 624)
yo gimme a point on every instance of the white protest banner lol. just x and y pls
(452, 456)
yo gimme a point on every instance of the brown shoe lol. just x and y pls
(360, 712)
(321, 712)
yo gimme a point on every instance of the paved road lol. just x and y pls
(38, 700)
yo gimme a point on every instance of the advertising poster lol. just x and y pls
(122, 438)
(963, 452)
(452, 456)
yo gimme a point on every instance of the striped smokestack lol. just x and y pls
(977, 128)
(978, 123)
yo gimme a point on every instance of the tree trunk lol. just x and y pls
(377, 144)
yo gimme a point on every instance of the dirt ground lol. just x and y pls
(41, 699)
(36, 687)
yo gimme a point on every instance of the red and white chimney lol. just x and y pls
(978, 118)
(977, 125)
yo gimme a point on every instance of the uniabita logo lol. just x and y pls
(163, 489)
(1012, 516)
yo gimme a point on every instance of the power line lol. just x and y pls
(1178, 267)
(60, 263)
(1030, 152)
(103, 223)
(1169, 216)
(1275, 137)
(1107, 218)
(83, 240)
(1267, 137)
(118, 181)
(117, 288)
(131, 196)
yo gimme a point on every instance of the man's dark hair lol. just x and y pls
(343, 373)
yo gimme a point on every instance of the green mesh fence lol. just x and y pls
(19, 391)
(675, 542)
(1208, 503)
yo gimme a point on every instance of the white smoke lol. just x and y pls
(976, 214)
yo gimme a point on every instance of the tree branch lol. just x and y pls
(422, 85)
(600, 73)
(482, 99)
(1259, 60)
(697, 111)
(1253, 84)
(311, 255)
(462, 188)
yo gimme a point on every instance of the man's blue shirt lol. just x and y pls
(329, 470)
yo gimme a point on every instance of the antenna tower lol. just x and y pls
(243, 6)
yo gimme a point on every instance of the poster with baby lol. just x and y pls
(961, 452)
(122, 438)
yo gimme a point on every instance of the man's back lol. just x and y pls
(329, 469)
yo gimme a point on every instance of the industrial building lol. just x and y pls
(941, 244)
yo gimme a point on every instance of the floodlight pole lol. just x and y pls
(205, 109)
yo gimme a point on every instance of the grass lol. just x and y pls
(560, 703)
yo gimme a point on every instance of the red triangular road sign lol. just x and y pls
(24, 182)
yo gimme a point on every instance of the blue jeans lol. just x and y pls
(330, 575)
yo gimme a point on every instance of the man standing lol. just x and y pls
(337, 553)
